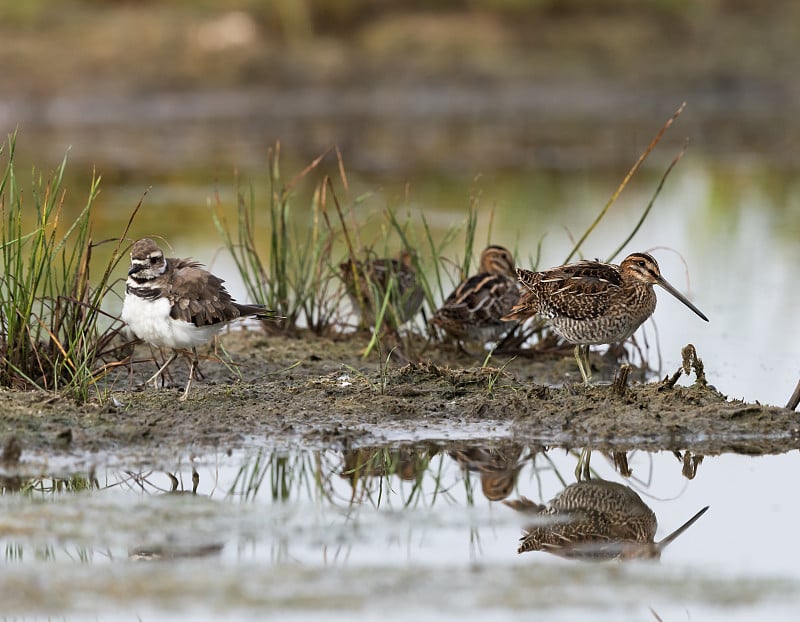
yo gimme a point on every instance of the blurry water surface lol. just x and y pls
(393, 532)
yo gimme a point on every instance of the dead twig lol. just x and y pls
(795, 399)
(620, 384)
(690, 362)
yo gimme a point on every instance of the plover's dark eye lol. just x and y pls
(154, 260)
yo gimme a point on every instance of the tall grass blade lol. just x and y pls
(625, 181)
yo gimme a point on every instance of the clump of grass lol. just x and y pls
(53, 332)
(293, 277)
(434, 279)
(284, 252)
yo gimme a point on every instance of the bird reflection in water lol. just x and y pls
(497, 466)
(595, 520)
(174, 545)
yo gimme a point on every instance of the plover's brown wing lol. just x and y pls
(198, 296)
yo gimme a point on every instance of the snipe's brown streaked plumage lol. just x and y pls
(498, 466)
(591, 303)
(474, 310)
(367, 283)
(595, 520)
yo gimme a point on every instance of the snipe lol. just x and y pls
(592, 303)
(368, 283)
(474, 310)
(594, 520)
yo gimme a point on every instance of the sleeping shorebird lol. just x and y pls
(592, 303)
(474, 310)
(176, 303)
(368, 283)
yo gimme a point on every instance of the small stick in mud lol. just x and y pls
(693, 362)
(690, 361)
(795, 399)
(620, 384)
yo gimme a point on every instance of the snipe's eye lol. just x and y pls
(641, 263)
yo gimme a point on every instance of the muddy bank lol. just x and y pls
(320, 391)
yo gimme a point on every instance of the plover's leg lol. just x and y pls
(192, 368)
(155, 376)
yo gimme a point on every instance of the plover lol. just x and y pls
(177, 304)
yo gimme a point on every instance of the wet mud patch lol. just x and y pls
(286, 390)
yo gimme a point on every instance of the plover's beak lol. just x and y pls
(663, 283)
(137, 267)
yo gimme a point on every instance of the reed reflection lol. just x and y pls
(593, 518)
(497, 464)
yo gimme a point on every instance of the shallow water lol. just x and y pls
(393, 532)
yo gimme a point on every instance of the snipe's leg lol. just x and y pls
(154, 378)
(582, 356)
(582, 469)
(192, 368)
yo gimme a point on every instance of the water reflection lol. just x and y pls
(185, 515)
(340, 525)
(498, 467)
(594, 520)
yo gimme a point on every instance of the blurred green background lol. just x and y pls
(530, 106)
(452, 85)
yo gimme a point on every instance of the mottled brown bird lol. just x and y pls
(498, 466)
(176, 303)
(595, 519)
(474, 310)
(368, 282)
(591, 303)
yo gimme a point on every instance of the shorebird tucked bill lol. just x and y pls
(474, 310)
(177, 304)
(368, 283)
(594, 520)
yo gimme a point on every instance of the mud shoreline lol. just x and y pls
(319, 391)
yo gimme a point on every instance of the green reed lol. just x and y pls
(53, 333)
(631, 172)
(292, 275)
(433, 277)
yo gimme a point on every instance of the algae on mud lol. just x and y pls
(321, 391)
